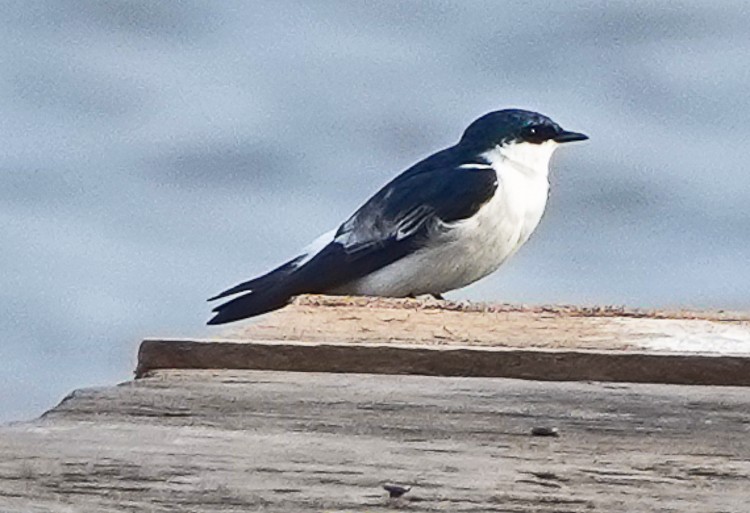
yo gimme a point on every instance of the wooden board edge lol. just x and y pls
(534, 364)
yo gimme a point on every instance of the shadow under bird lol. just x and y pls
(442, 224)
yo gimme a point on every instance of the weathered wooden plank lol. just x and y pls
(476, 361)
(438, 323)
(229, 441)
(246, 440)
(444, 338)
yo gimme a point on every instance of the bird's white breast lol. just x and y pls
(472, 248)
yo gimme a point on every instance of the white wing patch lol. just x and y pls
(474, 166)
(412, 222)
(315, 247)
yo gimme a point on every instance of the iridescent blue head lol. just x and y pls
(514, 126)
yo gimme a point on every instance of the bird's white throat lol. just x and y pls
(530, 159)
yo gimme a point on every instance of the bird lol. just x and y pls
(444, 223)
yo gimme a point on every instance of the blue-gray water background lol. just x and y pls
(153, 153)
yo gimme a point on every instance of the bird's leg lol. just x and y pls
(430, 294)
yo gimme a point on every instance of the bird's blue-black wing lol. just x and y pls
(398, 220)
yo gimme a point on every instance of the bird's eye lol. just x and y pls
(537, 134)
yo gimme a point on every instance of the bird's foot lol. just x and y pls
(429, 295)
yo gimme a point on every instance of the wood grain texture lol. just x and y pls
(445, 338)
(539, 364)
(231, 441)
(441, 323)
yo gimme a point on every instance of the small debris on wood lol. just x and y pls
(544, 431)
(468, 306)
(395, 491)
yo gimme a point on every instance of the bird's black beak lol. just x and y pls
(566, 136)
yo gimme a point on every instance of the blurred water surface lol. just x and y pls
(154, 153)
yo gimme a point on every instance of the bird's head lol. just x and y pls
(521, 134)
(515, 126)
